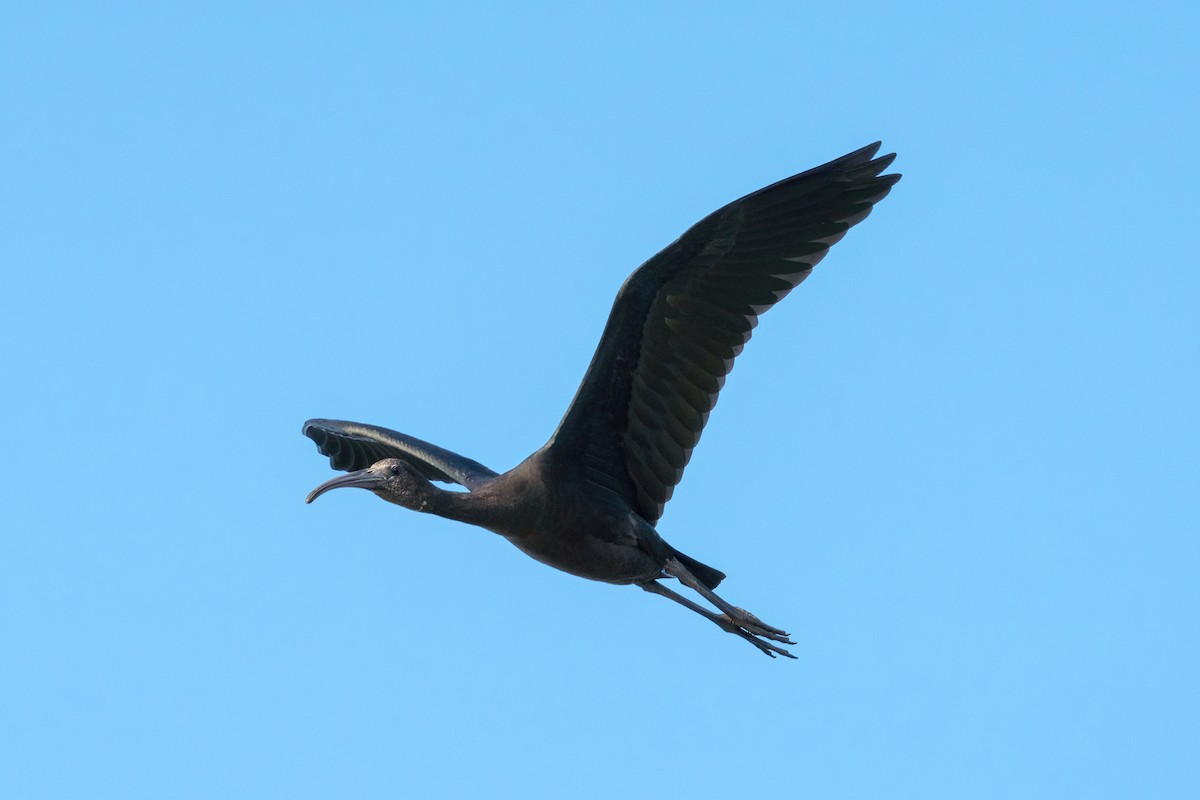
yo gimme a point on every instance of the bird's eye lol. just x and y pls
(394, 470)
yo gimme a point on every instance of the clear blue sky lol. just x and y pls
(960, 463)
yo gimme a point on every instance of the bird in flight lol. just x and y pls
(588, 501)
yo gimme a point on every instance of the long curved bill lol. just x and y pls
(362, 479)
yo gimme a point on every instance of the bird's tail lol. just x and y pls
(705, 574)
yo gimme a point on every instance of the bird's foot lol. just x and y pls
(744, 619)
(734, 620)
(739, 617)
(769, 649)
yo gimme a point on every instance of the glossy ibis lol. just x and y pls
(587, 502)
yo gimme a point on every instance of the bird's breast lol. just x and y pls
(570, 524)
(595, 543)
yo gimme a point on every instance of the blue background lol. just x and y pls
(960, 463)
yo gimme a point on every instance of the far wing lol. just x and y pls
(352, 445)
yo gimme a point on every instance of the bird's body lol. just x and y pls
(575, 527)
(587, 502)
(556, 516)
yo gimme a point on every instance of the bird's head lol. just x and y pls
(393, 479)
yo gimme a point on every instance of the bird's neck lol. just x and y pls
(467, 507)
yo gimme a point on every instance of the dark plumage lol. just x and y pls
(588, 500)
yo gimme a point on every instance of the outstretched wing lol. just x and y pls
(681, 319)
(351, 446)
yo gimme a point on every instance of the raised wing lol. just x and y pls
(352, 445)
(681, 319)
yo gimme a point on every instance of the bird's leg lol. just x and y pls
(722, 621)
(740, 616)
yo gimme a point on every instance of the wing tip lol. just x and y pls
(863, 153)
(309, 424)
(866, 157)
(884, 161)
